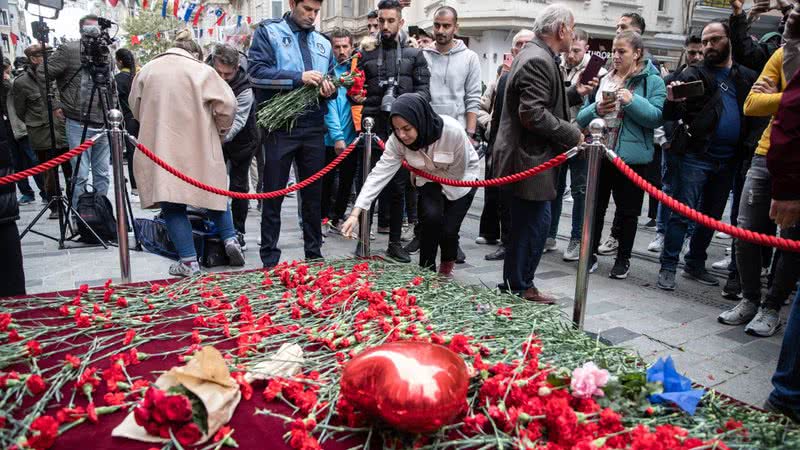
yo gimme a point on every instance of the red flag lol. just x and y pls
(210, 31)
(14, 39)
(175, 8)
(135, 40)
(197, 16)
(113, 3)
(144, 4)
(221, 18)
(249, 20)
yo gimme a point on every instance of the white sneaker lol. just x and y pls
(721, 235)
(550, 245)
(766, 323)
(573, 251)
(722, 264)
(182, 269)
(743, 312)
(657, 245)
(609, 247)
(685, 248)
(408, 234)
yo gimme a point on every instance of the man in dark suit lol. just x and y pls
(535, 127)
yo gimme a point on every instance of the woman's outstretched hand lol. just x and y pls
(350, 224)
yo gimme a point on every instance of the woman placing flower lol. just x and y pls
(630, 98)
(440, 146)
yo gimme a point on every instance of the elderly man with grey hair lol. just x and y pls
(241, 143)
(535, 127)
(495, 219)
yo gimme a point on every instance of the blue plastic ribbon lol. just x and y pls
(677, 388)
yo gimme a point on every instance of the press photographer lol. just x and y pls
(72, 67)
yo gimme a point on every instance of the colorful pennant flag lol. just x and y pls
(249, 20)
(145, 4)
(238, 21)
(164, 9)
(113, 3)
(175, 6)
(220, 16)
(14, 39)
(189, 11)
(198, 15)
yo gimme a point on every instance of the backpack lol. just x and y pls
(96, 211)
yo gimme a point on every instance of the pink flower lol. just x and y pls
(588, 380)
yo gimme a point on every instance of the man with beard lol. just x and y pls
(373, 27)
(390, 70)
(763, 317)
(718, 135)
(341, 132)
(287, 54)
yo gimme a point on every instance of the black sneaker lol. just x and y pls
(398, 253)
(461, 258)
(701, 276)
(242, 243)
(498, 255)
(666, 280)
(413, 246)
(732, 289)
(650, 225)
(620, 269)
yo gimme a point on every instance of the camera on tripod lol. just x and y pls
(389, 95)
(95, 51)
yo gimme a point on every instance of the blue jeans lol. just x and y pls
(23, 157)
(703, 184)
(180, 229)
(786, 379)
(669, 161)
(97, 158)
(577, 181)
(530, 221)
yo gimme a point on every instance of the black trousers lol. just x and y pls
(130, 149)
(330, 184)
(440, 221)
(307, 148)
(239, 181)
(347, 173)
(628, 198)
(13, 279)
(495, 218)
(654, 177)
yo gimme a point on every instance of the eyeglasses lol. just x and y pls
(712, 40)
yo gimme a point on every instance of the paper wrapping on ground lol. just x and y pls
(205, 375)
(285, 363)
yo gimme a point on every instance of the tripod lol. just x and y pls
(58, 201)
(101, 80)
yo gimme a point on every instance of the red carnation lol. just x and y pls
(5, 321)
(189, 434)
(91, 412)
(35, 384)
(141, 415)
(73, 361)
(273, 389)
(45, 431)
(129, 335)
(178, 408)
(34, 349)
(152, 397)
(114, 399)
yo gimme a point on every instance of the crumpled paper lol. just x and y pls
(285, 363)
(207, 376)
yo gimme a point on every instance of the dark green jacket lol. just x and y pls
(30, 104)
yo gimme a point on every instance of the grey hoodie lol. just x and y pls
(455, 81)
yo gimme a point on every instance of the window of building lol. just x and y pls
(4, 17)
(347, 8)
(277, 9)
(662, 5)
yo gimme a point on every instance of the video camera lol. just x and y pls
(389, 94)
(95, 51)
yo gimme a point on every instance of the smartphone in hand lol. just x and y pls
(685, 90)
(592, 69)
(508, 58)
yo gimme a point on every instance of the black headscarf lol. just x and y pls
(418, 112)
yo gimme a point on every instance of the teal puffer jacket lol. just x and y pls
(642, 115)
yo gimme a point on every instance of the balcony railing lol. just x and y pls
(715, 3)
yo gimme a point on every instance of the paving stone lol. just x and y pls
(711, 345)
(595, 308)
(552, 274)
(29, 283)
(28, 243)
(482, 269)
(763, 351)
(737, 334)
(618, 335)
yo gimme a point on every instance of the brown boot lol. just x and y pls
(533, 295)
(446, 269)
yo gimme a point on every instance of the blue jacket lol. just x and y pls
(641, 117)
(339, 119)
(281, 51)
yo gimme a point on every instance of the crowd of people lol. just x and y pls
(733, 135)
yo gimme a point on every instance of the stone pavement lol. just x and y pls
(631, 313)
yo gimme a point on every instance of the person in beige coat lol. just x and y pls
(184, 108)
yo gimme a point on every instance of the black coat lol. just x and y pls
(380, 64)
(123, 81)
(9, 209)
(703, 126)
(244, 144)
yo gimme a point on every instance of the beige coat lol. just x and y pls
(183, 108)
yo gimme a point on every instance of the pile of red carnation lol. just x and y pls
(161, 412)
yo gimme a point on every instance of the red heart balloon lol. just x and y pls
(414, 386)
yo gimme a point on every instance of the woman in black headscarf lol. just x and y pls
(437, 145)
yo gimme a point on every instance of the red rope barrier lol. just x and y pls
(513, 178)
(702, 219)
(243, 195)
(47, 165)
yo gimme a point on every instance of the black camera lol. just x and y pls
(95, 51)
(389, 94)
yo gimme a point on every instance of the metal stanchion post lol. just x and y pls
(595, 155)
(362, 249)
(117, 146)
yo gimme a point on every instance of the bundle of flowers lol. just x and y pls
(177, 412)
(68, 363)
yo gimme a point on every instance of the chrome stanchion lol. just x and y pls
(362, 248)
(117, 146)
(594, 152)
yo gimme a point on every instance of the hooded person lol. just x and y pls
(437, 145)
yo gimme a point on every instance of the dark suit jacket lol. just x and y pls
(534, 126)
